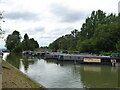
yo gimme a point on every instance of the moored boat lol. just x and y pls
(113, 60)
(51, 56)
(74, 57)
(33, 53)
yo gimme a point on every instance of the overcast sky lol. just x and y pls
(46, 20)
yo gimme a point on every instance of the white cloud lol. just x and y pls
(67, 14)
(46, 20)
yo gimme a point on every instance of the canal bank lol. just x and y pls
(13, 78)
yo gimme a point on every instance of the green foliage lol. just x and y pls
(105, 53)
(118, 46)
(67, 42)
(26, 37)
(99, 33)
(1, 20)
(35, 43)
(13, 43)
(29, 44)
(106, 37)
(85, 46)
(13, 40)
(18, 48)
(91, 23)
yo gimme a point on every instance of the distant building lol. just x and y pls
(119, 7)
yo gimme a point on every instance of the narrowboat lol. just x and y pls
(117, 55)
(113, 60)
(51, 56)
(41, 53)
(27, 52)
(74, 57)
(33, 53)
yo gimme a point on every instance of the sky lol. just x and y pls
(46, 20)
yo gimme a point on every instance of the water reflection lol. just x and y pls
(99, 76)
(15, 60)
(58, 74)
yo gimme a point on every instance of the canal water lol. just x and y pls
(58, 74)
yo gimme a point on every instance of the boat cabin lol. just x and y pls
(115, 55)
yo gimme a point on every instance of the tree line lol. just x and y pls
(14, 43)
(1, 21)
(99, 33)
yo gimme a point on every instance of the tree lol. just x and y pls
(26, 43)
(26, 37)
(34, 42)
(85, 46)
(29, 44)
(106, 36)
(91, 23)
(118, 46)
(13, 40)
(1, 20)
(18, 48)
(99, 33)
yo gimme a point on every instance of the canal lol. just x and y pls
(58, 74)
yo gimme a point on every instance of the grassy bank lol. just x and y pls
(13, 78)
